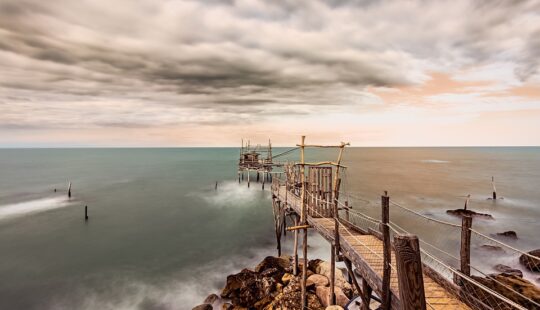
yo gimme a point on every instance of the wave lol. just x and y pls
(32, 206)
(434, 161)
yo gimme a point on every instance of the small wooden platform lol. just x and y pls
(366, 253)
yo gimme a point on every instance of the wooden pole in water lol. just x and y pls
(385, 218)
(295, 266)
(494, 189)
(86, 213)
(304, 222)
(248, 173)
(347, 216)
(465, 251)
(467, 202)
(263, 179)
(257, 176)
(216, 185)
(366, 294)
(69, 190)
(409, 270)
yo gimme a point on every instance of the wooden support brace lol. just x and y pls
(298, 227)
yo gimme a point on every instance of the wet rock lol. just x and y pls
(286, 278)
(492, 248)
(246, 288)
(323, 292)
(317, 280)
(203, 307)
(291, 296)
(463, 212)
(508, 270)
(227, 306)
(281, 263)
(509, 234)
(501, 282)
(533, 264)
(212, 298)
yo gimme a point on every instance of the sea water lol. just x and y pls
(160, 236)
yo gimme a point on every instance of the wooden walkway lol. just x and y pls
(365, 251)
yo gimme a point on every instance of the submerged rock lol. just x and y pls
(212, 298)
(492, 248)
(533, 264)
(227, 306)
(203, 307)
(464, 212)
(508, 270)
(510, 234)
(501, 284)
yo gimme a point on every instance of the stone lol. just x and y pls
(508, 270)
(334, 308)
(286, 278)
(463, 212)
(500, 283)
(324, 268)
(510, 234)
(246, 288)
(291, 296)
(203, 307)
(281, 263)
(227, 306)
(317, 280)
(323, 292)
(533, 264)
(212, 298)
(492, 248)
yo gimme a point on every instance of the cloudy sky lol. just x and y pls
(205, 73)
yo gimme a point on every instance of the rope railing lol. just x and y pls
(423, 216)
(503, 244)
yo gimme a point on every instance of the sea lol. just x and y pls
(160, 235)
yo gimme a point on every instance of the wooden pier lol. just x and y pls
(390, 263)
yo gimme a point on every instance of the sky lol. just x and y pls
(207, 73)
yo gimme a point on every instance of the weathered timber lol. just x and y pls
(366, 294)
(385, 230)
(86, 213)
(465, 249)
(409, 269)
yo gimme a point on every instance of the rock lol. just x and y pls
(510, 234)
(286, 278)
(463, 212)
(247, 288)
(281, 263)
(227, 306)
(518, 284)
(323, 292)
(317, 280)
(203, 307)
(508, 270)
(533, 264)
(334, 308)
(324, 268)
(493, 248)
(290, 298)
(212, 298)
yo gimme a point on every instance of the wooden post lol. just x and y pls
(279, 225)
(494, 189)
(242, 175)
(295, 266)
(366, 294)
(409, 269)
(350, 270)
(238, 177)
(216, 185)
(465, 251)
(263, 179)
(303, 219)
(332, 275)
(69, 190)
(86, 213)
(257, 176)
(248, 173)
(385, 218)
(347, 216)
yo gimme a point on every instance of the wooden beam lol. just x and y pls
(409, 269)
(303, 219)
(298, 227)
(387, 248)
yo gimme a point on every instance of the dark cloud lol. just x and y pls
(256, 57)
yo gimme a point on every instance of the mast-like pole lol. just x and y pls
(303, 220)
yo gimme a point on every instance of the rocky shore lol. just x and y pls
(272, 285)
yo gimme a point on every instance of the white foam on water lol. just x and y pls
(434, 161)
(232, 194)
(33, 206)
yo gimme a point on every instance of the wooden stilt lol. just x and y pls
(304, 222)
(69, 190)
(295, 266)
(279, 227)
(352, 277)
(494, 189)
(409, 269)
(332, 275)
(216, 185)
(248, 173)
(258, 176)
(366, 294)
(86, 213)
(385, 218)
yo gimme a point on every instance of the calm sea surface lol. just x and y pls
(161, 237)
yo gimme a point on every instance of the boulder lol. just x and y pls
(533, 264)
(508, 270)
(203, 307)
(290, 298)
(501, 282)
(227, 306)
(211, 299)
(281, 263)
(317, 280)
(247, 288)
(491, 248)
(286, 278)
(324, 268)
(334, 308)
(323, 292)
(509, 234)
(463, 212)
